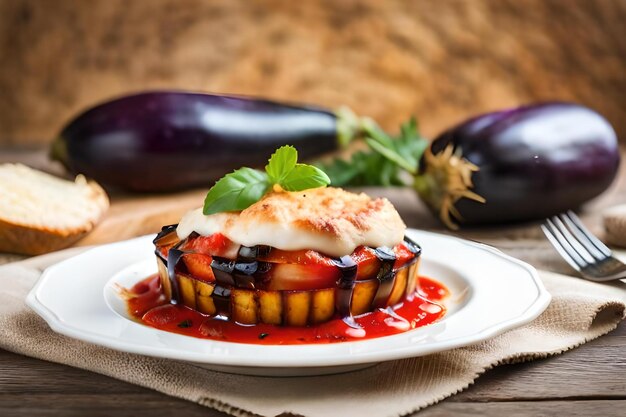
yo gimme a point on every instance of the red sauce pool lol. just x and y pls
(148, 305)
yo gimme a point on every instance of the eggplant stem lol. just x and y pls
(446, 178)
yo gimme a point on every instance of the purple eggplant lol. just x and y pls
(164, 140)
(521, 164)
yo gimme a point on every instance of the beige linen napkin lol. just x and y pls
(580, 311)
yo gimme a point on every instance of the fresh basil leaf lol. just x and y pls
(303, 177)
(236, 191)
(281, 163)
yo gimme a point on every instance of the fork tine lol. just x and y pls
(571, 239)
(564, 249)
(590, 236)
(581, 237)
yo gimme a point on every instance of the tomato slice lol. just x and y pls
(290, 270)
(366, 261)
(215, 245)
(199, 266)
(162, 315)
(403, 255)
(301, 257)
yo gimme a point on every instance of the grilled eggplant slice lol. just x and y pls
(244, 297)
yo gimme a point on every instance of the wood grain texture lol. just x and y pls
(596, 370)
(525, 409)
(131, 216)
(440, 60)
(567, 385)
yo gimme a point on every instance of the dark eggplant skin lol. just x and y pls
(169, 140)
(533, 161)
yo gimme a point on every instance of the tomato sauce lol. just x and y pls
(147, 304)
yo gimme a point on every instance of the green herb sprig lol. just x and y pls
(245, 186)
(384, 162)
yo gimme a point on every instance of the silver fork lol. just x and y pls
(581, 249)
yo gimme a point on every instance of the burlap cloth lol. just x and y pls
(580, 311)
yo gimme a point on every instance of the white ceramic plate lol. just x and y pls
(490, 293)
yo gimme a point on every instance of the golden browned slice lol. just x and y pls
(323, 305)
(271, 303)
(243, 306)
(204, 301)
(296, 305)
(187, 290)
(411, 285)
(363, 295)
(399, 287)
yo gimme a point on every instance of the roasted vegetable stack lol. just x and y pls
(261, 284)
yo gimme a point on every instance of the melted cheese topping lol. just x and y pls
(329, 220)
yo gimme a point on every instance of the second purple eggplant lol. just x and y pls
(521, 164)
(170, 140)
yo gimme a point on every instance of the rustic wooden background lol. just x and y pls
(440, 60)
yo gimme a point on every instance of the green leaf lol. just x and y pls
(284, 170)
(409, 129)
(384, 144)
(363, 168)
(340, 172)
(303, 177)
(281, 163)
(244, 187)
(410, 144)
(392, 155)
(385, 162)
(236, 191)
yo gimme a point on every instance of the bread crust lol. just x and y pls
(24, 240)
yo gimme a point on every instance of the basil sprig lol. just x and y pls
(245, 186)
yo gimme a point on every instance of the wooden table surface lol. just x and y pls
(587, 381)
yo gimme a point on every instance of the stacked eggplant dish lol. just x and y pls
(292, 258)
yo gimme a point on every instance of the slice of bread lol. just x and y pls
(41, 213)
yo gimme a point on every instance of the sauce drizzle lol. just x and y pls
(147, 304)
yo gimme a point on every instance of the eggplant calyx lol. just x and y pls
(446, 178)
(349, 126)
